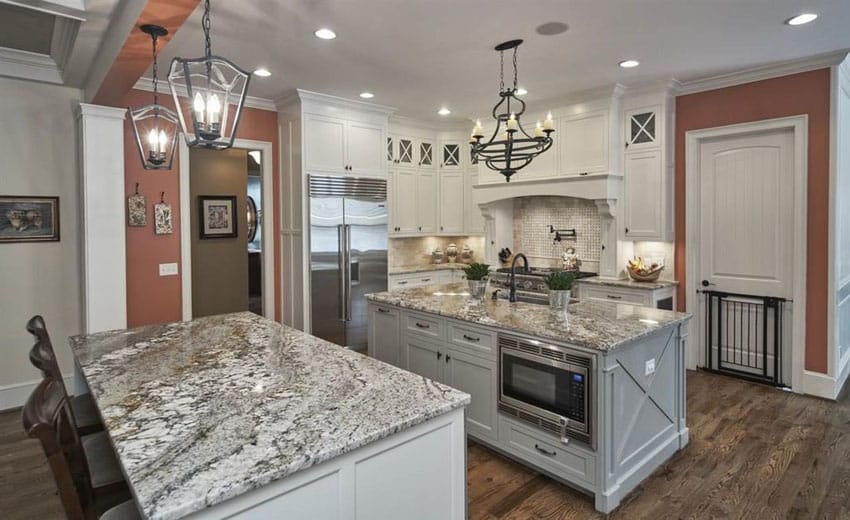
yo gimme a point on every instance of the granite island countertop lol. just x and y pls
(628, 283)
(591, 324)
(425, 268)
(203, 411)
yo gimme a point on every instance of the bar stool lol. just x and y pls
(86, 470)
(42, 356)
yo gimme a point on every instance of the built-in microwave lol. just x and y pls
(546, 385)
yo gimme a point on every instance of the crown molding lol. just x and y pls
(327, 99)
(773, 70)
(88, 109)
(32, 66)
(250, 101)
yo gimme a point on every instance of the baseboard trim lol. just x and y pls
(14, 396)
(820, 385)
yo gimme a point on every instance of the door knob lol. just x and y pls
(706, 283)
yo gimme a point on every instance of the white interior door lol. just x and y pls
(746, 246)
(747, 213)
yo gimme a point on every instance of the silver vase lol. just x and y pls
(477, 288)
(559, 300)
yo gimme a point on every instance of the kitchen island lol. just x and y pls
(594, 397)
(239, 416)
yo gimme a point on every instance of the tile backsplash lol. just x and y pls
(534, 215)
(413, 251)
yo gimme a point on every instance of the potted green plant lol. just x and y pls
(560, 284)
(476, 276)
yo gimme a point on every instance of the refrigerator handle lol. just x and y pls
(347, 228)
(343, 287)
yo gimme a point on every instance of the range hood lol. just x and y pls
(594, 186)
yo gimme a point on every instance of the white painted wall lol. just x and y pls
(39, 157)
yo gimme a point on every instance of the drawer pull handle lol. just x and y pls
(471, 338)
(421, 326)
(426, 279)
(402, 283)
(385, 311)
(544, 451)
(614, 297)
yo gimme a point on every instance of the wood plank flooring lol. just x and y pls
(755, 453)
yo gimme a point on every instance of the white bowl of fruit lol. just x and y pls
(643, 271)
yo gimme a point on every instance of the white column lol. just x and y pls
(103, 206)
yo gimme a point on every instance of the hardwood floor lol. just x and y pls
(755, 453)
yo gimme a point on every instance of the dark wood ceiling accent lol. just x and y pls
(135, 56)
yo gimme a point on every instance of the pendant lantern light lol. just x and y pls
(154, 126)
(209, 93)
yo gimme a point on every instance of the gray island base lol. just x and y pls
(236, 416)
(635, 386)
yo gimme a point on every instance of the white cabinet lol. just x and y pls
(477, 377)
(644, 127)
(584, 143)
(410, 280)
(451, 155)
(424, 357)
(385, 334)
(661, 298)
(425, 154)
(401, 151)
(404, 218)
(644, 187)
(473, 220)
(340, 146)
(427, 202)
(452, 202)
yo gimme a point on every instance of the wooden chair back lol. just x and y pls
(47, 417)
(42, 355)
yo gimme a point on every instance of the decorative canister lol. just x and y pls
(451, 253)
(466, 254)
(437, 256)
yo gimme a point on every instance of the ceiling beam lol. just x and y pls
(133, 57)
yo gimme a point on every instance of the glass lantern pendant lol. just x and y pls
(209, 93)
(155, 126)
(511, 148)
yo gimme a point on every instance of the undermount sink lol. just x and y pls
(537, 299)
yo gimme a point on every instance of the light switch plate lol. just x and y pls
(168, 269)
(650, 367)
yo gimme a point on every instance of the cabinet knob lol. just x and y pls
(448, 358)
(439, 355)
(627, 230)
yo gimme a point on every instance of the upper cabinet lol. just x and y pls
(643, 128)
(584, 143)
(426, 158)
(451, 155)
(343, 146)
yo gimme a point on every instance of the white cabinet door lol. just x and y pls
(324, 144)
(643, 195)
(364, 145)
(392, 153)
(643, 128)
(427, 202)
(584, 143)
(476, 377)
(426, 154)
(451, 155)
(424, 358)
(451, 202)
(384, 334)
(404, 201)
(473, 221)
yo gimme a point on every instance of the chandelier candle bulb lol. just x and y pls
(538, 130)
(549, 123)
(199, 107)
(512, 123)
(478, 131)
(214, 109)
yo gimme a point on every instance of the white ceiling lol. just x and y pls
(419, 55)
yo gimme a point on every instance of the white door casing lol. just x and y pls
(793, 283)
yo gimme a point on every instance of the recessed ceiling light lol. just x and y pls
(521, 91)
(552, 28)
(801, 19)
(262, 72)
(367, 95)
(325, 34)
(629, 64)
(444, 111)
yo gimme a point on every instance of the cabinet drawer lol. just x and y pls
(424, 325)
(472, 339)
(616, 295)
(572, 463)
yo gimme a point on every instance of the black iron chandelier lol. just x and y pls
(512, 148)
(211, 86)
(154, 126)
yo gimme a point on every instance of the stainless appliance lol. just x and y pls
(348, 255)
(546, 385)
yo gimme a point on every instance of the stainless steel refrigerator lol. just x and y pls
(348, 255)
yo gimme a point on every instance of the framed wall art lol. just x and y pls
(29, 219)
(217, 216)
(136, 209)
(162, 217)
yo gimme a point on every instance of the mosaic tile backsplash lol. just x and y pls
(413, 251)
(534, 215)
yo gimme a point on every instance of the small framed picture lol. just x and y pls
(29, 219)
(217, 216)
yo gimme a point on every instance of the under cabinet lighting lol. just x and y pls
(801, 19)
(325, 34)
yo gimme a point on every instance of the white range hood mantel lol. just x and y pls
(595, 186)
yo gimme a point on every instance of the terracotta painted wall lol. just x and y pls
(805, 93)
(157, 299)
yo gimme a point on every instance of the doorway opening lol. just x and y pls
(254, 222)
